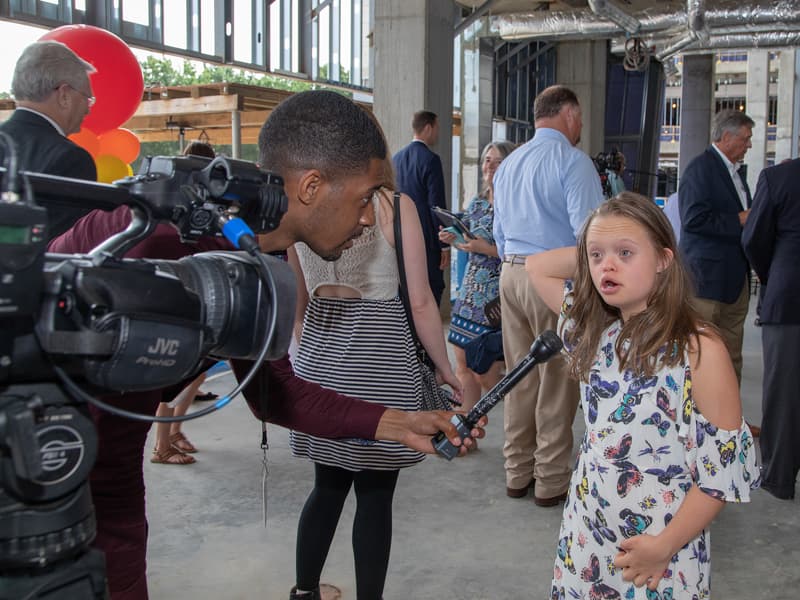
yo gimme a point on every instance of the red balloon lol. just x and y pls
(118, 83)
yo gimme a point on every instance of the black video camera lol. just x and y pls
(606, 163)
(106, 323)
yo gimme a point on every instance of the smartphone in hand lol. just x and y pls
(453, 225)
(459, 238)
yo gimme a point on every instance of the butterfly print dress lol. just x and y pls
(645, 446)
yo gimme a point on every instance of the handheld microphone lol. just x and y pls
(543, 348)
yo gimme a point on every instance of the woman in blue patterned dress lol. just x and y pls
(665, 445)
(481, 280)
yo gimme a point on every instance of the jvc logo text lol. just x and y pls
(164, 346)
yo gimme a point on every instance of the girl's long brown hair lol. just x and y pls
(664, 328)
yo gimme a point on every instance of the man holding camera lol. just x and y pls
(331, 156)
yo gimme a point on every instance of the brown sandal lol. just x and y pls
(171, 456)
(180, 443)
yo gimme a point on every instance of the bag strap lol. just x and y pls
(403, 289)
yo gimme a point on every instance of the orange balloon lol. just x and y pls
(87, 140)
(121, 143)
(110, 168)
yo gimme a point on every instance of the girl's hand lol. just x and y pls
(643, 560)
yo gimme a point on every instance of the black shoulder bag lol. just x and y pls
(434, 397)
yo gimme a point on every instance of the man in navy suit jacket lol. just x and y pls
(713, 200)
(419, 174)
(771, 241)
(53, 95)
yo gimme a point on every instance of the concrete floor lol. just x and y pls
(456, 534)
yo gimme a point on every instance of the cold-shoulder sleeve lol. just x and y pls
(723, 463)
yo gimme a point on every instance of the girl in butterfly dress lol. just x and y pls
(665, 445)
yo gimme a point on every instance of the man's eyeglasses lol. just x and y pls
(90, 99)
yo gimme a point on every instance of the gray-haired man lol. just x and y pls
(53, 95)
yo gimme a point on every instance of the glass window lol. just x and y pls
(207, 26)
(243, 31)
(175, 24)
(672, 111)
(136, 11)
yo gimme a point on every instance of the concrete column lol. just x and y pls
(477, 61)
(758, 110)
(581, 66)
(788, 105)
(236, 134)
(697, 98)
(414, 70)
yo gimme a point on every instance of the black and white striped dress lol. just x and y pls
(359, 347)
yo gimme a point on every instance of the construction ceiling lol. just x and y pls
(666, 26)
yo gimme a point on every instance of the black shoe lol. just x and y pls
(312, 595)
(205, 397)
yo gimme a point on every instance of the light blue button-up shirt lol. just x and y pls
(543, 192)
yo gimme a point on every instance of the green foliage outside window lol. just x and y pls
(162, 72)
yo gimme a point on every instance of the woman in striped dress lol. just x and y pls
(355, 339)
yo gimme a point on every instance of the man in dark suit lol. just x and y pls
(714, 203)
(771, 241)
(419, 174)
(53, 95)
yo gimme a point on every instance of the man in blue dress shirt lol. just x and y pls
(419, 174)
(543, 192)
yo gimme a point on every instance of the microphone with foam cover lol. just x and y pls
(544, 347)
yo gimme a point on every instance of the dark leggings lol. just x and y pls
(372, 526)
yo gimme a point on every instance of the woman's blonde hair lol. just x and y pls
(663, 329)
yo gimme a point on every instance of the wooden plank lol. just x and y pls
(253, 118)
(188, 106)
(216, 136)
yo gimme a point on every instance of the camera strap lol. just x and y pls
(264, 470)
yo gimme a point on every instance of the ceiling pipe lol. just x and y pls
(607, 8)
(581, 24)
(773, 39)
(696, 19)
(474, 16)
(695, 30)
(573, 25)
(676, 45)
(654, 41)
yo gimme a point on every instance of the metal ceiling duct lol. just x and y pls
(776, 16)
(773, 39)
(608, 9)
(573, 25)
(695, 30)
